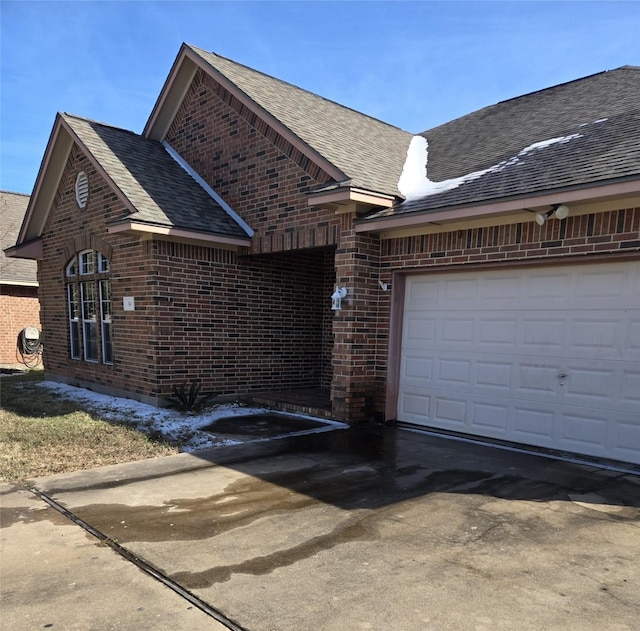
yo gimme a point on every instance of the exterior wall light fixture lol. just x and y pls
(559, 210)
(336, 298)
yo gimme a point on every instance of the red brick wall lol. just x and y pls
(254, 169)
(240, 323)
(69, 230)
(19, 307)
(356, 326)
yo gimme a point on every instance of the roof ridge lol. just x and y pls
(559, 85)
(15, 193)
(296, 87)
(102, 123)
(526, 95)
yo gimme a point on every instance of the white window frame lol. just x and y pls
(105, 320)
(89, 307)
(89, 301)
(73, 305)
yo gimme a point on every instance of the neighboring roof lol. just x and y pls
(368, 152)
(13, 207)
(598, 116)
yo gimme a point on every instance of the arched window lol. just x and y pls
(89, 306)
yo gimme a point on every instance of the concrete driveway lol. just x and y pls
(361, 529)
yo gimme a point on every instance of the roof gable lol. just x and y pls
(356, 149)
(157, 191)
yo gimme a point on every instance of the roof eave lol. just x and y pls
(49, 174)
(19, 283)
(350, 198)
(150, 230)
(522, 206)
(27, 250)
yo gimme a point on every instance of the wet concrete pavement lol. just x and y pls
(375, 528)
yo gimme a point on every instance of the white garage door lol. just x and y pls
(542, 356)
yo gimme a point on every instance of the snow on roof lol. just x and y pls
(414, 182)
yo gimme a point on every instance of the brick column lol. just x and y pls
(355, 327)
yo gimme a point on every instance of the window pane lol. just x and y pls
(74, 336)
(74, 301)
(105, 299)
(105, 314)
(89, 301)
(107, 347)
(90, 331)
(88, 262)
(103, 263)
(73, 298)
(72, 268)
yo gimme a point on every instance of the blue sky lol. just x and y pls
(412, 64)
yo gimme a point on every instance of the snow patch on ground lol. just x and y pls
(172, 424)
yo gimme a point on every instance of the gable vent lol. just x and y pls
(82, 189)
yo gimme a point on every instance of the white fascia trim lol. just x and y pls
(350, 195)
(178, 158)
(132, 226)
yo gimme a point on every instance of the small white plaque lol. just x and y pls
(129, 303)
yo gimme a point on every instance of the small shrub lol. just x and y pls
(191, 399)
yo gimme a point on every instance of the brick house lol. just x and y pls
(496, 295)
(19, 306)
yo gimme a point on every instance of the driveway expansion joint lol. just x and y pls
(143, 565)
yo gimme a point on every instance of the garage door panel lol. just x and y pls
(534, 379)
(632, 339)
(532, 424)
(503, 286)
(630, 388)
(414, 407)
(498, 332)
(451, 411)
(460, 289)
(491, 417)
(592, 334)
(601, 282)
(420, 332)
(626, 442)
(544, 334)
(494, 375)
(584, 430)
(590, 384)
(416, 368)
(453, 372)
(546, 285)
(457, 331)
(546, 357)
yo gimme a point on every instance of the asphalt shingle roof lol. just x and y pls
(162, 193)
(13, 207)
(602, 111)
(369, 152)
